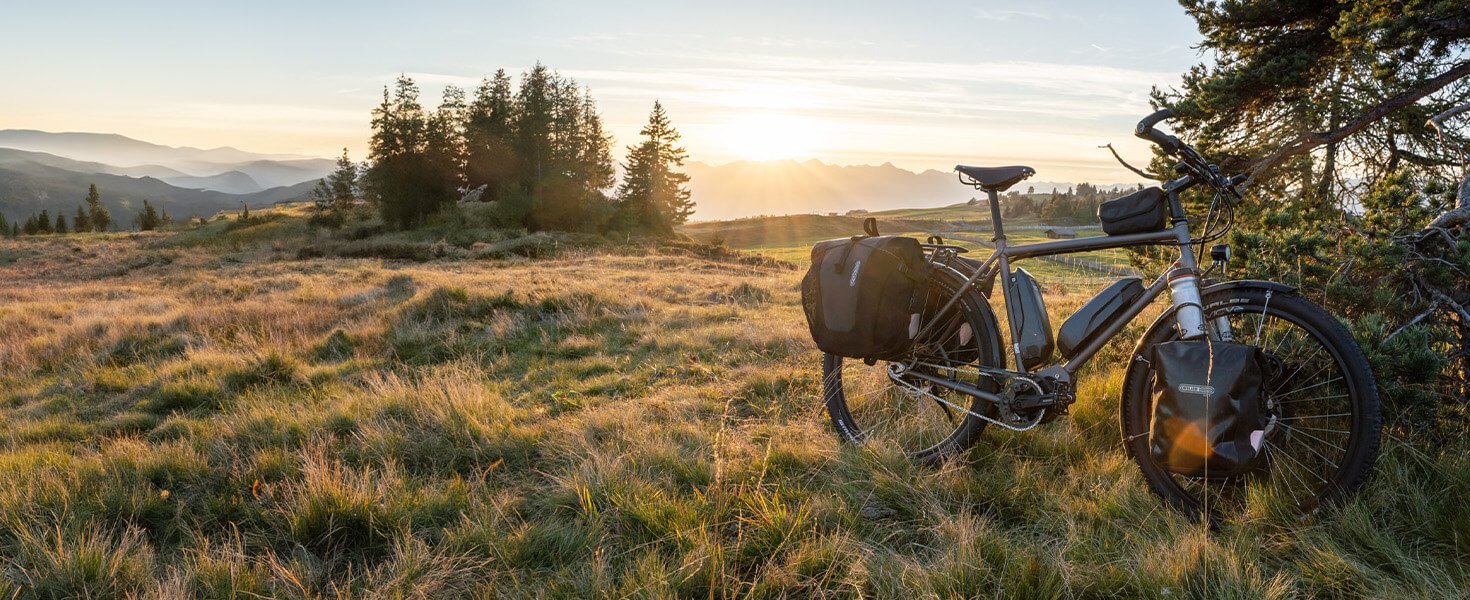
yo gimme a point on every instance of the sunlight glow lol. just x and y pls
(768, 136)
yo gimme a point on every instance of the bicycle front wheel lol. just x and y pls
(1320, 399)
(876, 404)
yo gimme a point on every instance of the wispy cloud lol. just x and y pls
(1004, 14)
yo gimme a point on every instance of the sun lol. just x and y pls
(768, 136)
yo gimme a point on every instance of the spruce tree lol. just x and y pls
(82, 222)
(406, 181)
(43, 222)
(60, 224)
(342, 183)
(535, 111)
(490, 161)
(4, 225)
(653, 196)
(321, 196)
(100, 219)
(148, 220)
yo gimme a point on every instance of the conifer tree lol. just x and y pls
(342, 183)
(321, 195)
(100, 219)
(653, 196)
(148, 219)
(535, 111)
(405, 180)
(43, 222)
(82, 222)
(445, 145)
(4, 225)
(489, 159)
(32, 228)
(60, 224)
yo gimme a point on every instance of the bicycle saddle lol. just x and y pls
(996, 178)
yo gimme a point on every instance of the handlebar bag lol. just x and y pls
(862, 296)
(1207, 418)
(1139, 212)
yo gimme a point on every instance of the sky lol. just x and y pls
(918, 84)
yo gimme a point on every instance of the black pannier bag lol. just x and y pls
(862, 295)
(1207, 419)
(1139, 212)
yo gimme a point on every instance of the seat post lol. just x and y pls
(1000, 233)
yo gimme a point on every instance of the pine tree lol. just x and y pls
(342, 183)
(4, 225)
(148, 219)
(82, 222)
(535, 111)
(32, 228)
(405, 180)
(445, 141)
(60, 224)
(321, 196)
(100, 219)
(490, 161)
(653, 196)
(43, 223)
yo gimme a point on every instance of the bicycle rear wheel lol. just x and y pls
(869, 404)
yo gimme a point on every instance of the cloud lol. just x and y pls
(1002, 14)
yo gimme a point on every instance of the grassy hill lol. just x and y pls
(221, 413)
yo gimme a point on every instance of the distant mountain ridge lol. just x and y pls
(749, 188)
(123, 151)
(224, 169)
(180, 181)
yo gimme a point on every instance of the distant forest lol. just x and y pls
(1076, 206)
(537, 149)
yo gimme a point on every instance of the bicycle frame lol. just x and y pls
(1000, 260)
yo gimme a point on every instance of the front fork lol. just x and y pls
(1184, 293)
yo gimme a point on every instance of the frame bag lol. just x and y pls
(1207, 419)
(1139, 212)
(862, 295)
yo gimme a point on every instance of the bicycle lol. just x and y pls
(934, 401)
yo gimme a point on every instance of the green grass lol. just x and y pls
(247, 423)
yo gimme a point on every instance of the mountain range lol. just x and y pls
(783, 187)
(51, 171)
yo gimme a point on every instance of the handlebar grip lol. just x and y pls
(1148, 122)
(1168, 143)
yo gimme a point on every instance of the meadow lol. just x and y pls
(244, 410)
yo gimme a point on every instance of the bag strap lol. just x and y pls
(841, 263)
(870, 226)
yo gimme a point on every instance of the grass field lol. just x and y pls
(223, 414)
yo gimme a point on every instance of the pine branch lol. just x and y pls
(1305, 143)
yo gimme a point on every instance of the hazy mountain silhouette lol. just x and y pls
(748, 188)
(222, 169)
(114, 149)
(31, 182)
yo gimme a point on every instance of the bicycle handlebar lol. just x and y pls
(1148, 122)
(1173, 146)
(1145, 130)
